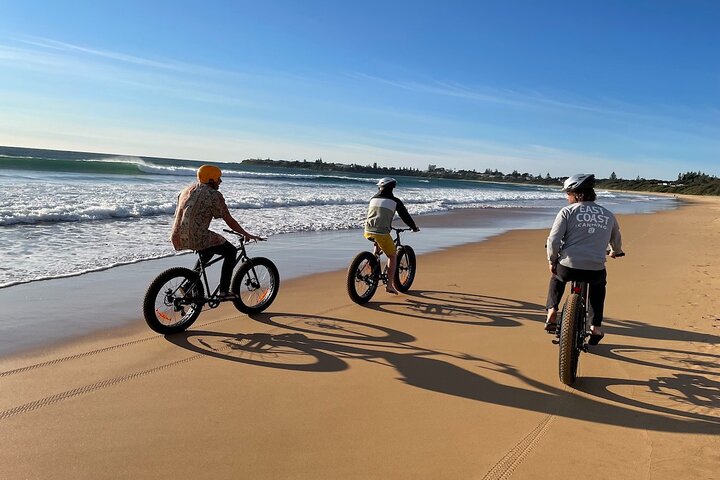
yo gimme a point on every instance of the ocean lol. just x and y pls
(69, 213)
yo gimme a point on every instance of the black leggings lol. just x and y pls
(597, 280)
(228, 251)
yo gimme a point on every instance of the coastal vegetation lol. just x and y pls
(689, 183)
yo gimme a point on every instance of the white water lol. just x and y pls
(55, 224)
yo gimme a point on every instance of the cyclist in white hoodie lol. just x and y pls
(576, 250)
(378, 224)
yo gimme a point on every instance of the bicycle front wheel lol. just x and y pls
(406, 268)
(173, 300)
(255, 285)
(569, 348)
(363, 276)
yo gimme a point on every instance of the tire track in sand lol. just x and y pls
(95, 352)
(43, 402)
(505, 467)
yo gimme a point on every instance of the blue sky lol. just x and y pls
(535, 86)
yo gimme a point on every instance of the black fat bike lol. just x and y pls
(175, 298)
(364, 274)
(572, 330)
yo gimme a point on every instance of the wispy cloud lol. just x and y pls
(182, 81)
(49, 44)
(20, 57)
(69, 50)
(450, 89)
(175, 66)
(516, 98)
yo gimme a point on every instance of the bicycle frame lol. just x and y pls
(201, 267)
(377, 251)
(582, 289)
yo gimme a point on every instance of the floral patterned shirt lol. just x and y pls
(197, 205)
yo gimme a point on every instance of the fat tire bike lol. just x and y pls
(364, 274)
(176, 297)
(572, 330)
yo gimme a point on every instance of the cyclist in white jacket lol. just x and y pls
(576, 250)
(378, 224)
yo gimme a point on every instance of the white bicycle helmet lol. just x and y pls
(579, 181)
(387, 182)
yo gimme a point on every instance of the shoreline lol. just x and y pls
(118, 291)
(454, 380)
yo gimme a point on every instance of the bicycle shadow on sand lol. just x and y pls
(685, 382)
(476, 309)
(461, 308)
(691, 362)
(337, 343)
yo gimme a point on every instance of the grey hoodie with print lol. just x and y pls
(580, 236)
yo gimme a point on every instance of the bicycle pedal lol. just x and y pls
(585, 347)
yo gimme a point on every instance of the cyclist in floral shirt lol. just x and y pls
(197, 205)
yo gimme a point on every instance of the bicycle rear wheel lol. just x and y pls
(363, 276)
(256, 285)
(173, 300)
(569, 348)
(406, 268)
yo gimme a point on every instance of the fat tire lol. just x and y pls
(356, 277)
(158, 311)
(569, 348)
(260, 297)
(406, 267)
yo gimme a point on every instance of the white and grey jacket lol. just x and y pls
(381, 211)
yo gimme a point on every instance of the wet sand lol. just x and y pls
(455, 379)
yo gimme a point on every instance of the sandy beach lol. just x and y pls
(454, 380)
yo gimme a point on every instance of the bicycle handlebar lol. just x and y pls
(242, 237)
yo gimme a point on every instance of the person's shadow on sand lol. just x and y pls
(634, 328)
(439, 372)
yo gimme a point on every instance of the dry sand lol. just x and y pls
(455, 380)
